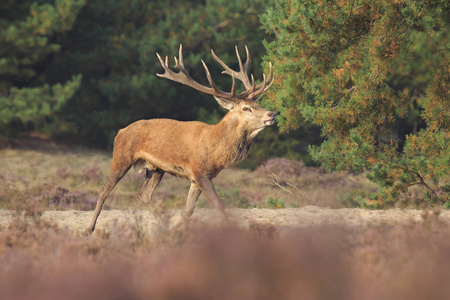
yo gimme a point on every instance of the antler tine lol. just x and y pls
(261, 86)
(248, 91)
(265, 85)
(165, 66)
(180, 67)
(161, 61)
(270, 79)
(247, 62)
(179, 63)
(239, 59)
(242, 75)
(227, 71)
(180, 55)
(244, 67)
(233, 86)
(208, 76)
(264, 81)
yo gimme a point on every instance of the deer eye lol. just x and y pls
(247, 109)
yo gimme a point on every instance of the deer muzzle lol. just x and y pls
(271, 118)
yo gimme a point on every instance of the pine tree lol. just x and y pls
(114, 43)
(374, 75)
(26, 32)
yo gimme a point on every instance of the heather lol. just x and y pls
(256, 259)
(61, 178)
(405, 261)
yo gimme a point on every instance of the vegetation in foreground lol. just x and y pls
(38, 260)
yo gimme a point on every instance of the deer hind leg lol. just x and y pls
(114, 177)
(152, 179)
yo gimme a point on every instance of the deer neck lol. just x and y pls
(232, 140)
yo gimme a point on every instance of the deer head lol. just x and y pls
(242, 107)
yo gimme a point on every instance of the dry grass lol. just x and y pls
(72, 179)
(41, 261)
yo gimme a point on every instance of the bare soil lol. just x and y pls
(77, 221)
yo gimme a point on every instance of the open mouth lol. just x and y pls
(269, 122)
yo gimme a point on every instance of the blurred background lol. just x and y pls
(78, 71)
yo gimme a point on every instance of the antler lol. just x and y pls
(252, 92)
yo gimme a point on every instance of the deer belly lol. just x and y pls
(153, 164)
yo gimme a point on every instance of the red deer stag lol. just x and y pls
(192, 150)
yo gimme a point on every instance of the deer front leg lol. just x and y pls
(207, 187)
(194, 193)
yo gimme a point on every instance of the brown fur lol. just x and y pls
(192, 150)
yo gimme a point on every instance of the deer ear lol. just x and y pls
(228, 104)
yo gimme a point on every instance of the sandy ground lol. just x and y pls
(77, 221)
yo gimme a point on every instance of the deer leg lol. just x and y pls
(153, 178)
(194, 193)
(207, 187)
(113, 179)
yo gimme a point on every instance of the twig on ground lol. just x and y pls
(276, 182)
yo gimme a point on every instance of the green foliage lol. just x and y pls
(114, 43)
(374, 75)
(27, 32)
(33, 104)
(360, 198)
(270, 143)
(232, 198)
(272, 202)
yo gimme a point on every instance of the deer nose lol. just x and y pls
(272, 115)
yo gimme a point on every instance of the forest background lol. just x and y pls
(79, 71)
(360, 85)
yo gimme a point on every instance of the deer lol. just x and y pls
(192, 150)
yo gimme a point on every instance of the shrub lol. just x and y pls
(281, 167)
(58, 197)
(271, 202)
(374, 75)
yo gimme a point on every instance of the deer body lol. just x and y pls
(202, 149)
(191, 150)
